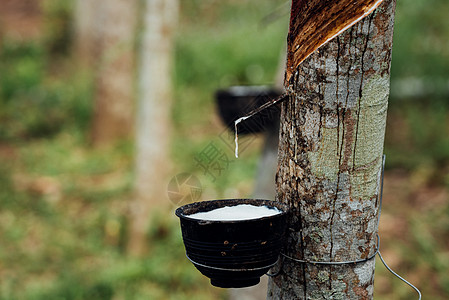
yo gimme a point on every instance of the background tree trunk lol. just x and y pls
(115, 28)
(153, 118)
(85, 13)
(330, 154)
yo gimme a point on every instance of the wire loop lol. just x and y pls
(357, 261)
(377, 252)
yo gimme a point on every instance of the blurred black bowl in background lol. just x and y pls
(237, 101)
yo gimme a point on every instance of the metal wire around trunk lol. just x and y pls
(377, 252)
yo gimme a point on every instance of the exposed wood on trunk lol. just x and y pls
(315, 22)
(153, 118)
(330, 153)
(114, 88)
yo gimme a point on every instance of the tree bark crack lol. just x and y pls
(361, 88)
(340, 145)
(321, 113)
(301, 237)
(336, 90)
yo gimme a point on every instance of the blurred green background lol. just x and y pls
(64, 203)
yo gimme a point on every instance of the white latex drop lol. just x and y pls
(235, 213)
(236, 139)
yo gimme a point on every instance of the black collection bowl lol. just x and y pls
(233, 254)
(237, 101)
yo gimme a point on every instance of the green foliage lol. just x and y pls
(230, 46)
(417, 135)
(34, 104)
(165, 269)
(237, 56)
(63, 218)
(22, 68)
(421, 46)
(58, 26)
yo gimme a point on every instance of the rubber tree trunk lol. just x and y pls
(330, 154)
(114, 84)
(153, 117)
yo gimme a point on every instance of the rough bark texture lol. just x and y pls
(330, 153)
(153, 118)
(114, 84)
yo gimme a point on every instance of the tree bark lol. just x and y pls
(329, 165)
(153, 118)
(114, 84)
